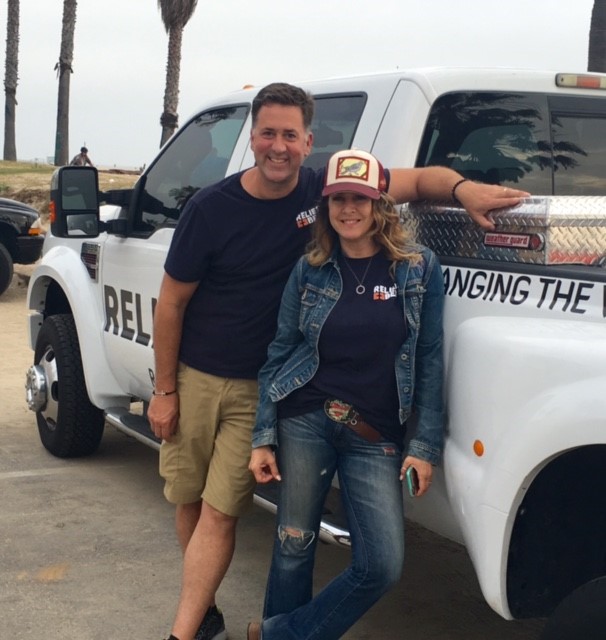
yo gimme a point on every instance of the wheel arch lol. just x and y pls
(543, 400)
(557, 540)
(66, 288)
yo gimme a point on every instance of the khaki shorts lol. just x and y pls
(208, 456)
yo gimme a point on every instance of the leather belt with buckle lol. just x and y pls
(343, 412)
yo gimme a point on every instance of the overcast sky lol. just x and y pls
(117, 87)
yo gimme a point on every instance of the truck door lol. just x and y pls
(132, 267)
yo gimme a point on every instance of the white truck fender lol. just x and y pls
(506, 422)
(63, 266)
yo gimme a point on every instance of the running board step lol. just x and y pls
(333, 528)
(133, 425)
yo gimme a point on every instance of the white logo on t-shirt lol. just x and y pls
(380, 292)
(305, 218)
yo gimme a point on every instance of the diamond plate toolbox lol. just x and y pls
(540, 230)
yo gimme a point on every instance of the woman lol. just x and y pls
(358, 344)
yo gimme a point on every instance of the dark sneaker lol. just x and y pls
(213, 626)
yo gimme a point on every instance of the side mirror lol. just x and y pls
(74, 206)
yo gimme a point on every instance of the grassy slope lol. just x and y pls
(30, 183)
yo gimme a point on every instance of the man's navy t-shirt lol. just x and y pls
(242, 251)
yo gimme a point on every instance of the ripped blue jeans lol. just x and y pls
(312, 447)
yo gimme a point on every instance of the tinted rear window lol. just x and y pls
(513, 139)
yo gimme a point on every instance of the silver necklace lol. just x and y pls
(360, 289)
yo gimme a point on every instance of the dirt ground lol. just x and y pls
(88, 550)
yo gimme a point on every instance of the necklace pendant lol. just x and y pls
(360, 289)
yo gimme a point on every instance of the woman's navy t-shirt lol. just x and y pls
(358, 345)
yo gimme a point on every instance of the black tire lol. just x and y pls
(6, 269)
(69, 424)
(581, 615)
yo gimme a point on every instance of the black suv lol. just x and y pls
(21, 238)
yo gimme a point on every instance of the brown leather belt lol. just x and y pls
(344, 413)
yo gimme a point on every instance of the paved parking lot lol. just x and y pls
(88, 550)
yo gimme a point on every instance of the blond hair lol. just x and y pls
(387, 231)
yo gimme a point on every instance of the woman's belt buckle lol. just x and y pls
(338, 410)
(344, 413)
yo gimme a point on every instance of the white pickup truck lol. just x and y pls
(523, 479)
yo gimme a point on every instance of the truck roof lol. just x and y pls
(435, 81)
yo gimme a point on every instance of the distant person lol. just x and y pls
(81, 159)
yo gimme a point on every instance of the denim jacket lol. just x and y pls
(309, 297)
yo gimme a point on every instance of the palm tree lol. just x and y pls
(10, 79)
(596, 59)
(64, 71)
(175, 15)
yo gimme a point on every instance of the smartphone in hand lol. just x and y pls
(412, 481)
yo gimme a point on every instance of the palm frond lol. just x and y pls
(176, 13)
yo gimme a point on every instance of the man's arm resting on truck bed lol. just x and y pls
(436, 183)
(163, 411)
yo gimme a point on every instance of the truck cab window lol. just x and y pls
(197, 157)
(496, 138)
(334, 125)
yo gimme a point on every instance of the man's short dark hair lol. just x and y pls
(286, 95)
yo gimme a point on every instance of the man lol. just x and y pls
(81, 159)
(216, 313)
